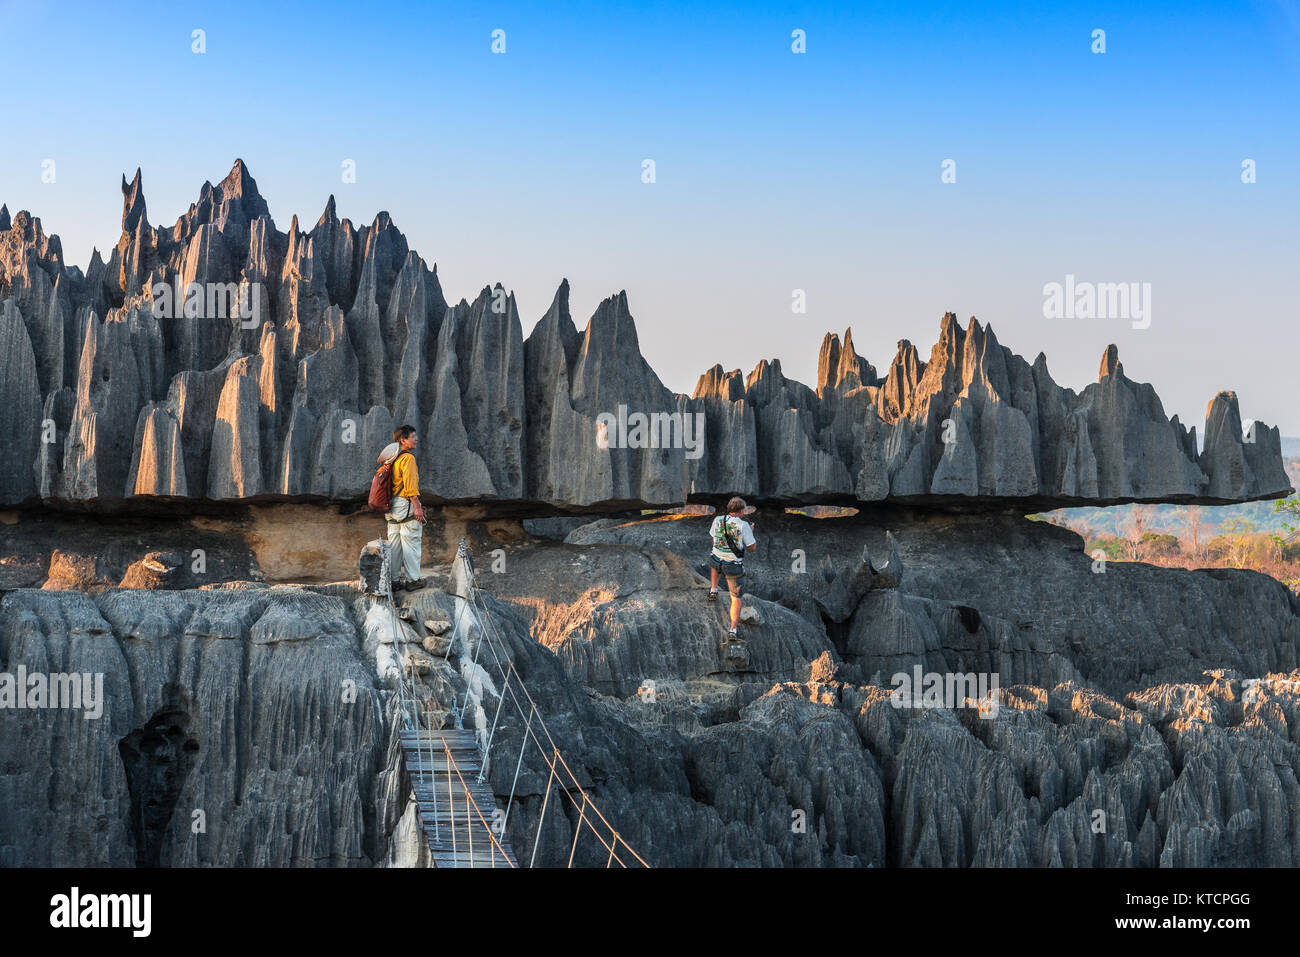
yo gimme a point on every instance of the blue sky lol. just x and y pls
(775, 171)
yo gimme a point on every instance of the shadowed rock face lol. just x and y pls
(979, 593)
(1157, 703)
(225, 702)
(1143, 715)
(158, 759)
(117, 384)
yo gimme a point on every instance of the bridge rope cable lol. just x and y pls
(386, 589)
(410, 718)
(481, 615)
(408, 704)
(542, 817)
(452, 765)
(487, 750)
(479, 612)
(469, 801)
(577, 830)
(451, 817)
(523, 743)
(616, 837)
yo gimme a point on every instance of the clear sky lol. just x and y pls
(775, 171)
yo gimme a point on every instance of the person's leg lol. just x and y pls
(414, 549)
(408, 554)
(733, 586)
(397, 541)
(713, 580)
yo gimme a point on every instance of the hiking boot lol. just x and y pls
(415, 585)
(713, 596)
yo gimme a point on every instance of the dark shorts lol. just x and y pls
(732, 571)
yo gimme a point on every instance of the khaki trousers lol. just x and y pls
(404, 539)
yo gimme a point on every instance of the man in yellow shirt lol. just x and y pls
(406, 514)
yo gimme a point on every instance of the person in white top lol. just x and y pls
(731, 537)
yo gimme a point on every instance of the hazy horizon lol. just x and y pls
(775, 171)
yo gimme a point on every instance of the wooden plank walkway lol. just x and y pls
(441, 797)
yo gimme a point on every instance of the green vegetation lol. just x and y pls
(1200, 542)
(1267, 516)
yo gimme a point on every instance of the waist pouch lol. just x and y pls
(411, 517)
(730, 564)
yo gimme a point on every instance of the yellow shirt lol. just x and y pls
(406, 477)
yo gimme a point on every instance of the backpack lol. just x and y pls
(733, 544)
(381, 486)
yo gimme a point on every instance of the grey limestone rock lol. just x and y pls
(348, 323)
(1156, 701)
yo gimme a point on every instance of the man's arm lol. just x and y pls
(416, 504)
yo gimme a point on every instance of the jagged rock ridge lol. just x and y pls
(289, 370)
(1164, 699)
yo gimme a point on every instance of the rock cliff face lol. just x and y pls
(223, 360)
(226, 736)
(240, 381)
(1144, 716)
(974, 593)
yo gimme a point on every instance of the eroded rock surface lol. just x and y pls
(995, 594)
(223, 360)
(224, 707)
(1165, 766)
(1144, 716)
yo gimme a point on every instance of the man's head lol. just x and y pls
(405, 437)
(736, 506)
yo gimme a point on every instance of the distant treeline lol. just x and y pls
(1261, 536)
(1172, 519)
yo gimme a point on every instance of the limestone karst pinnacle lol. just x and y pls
(133, 207)
(355, 335)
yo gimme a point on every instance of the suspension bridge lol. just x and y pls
(448, 767)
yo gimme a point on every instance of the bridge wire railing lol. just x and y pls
(550, 753)
(409, 705)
